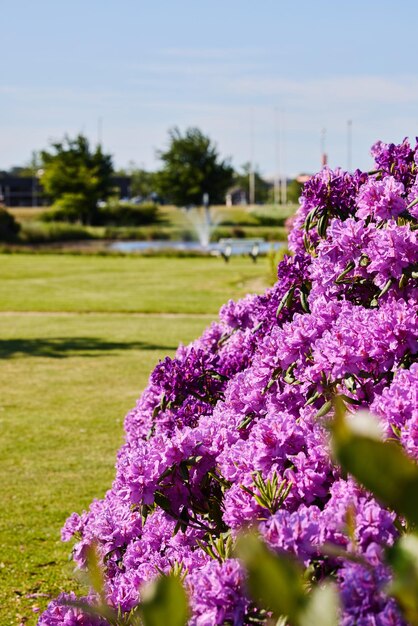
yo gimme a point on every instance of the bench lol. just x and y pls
(228, 247)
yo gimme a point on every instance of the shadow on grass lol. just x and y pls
(62, 347)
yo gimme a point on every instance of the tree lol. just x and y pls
(9, 228)
(294, 190)
(143, 183)
(76, 178)
(192, 168)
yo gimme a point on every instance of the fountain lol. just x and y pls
(203, 223)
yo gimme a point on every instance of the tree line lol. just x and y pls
(78, 177)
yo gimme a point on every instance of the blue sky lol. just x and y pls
(285, 69)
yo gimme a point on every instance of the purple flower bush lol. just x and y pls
(231, 433)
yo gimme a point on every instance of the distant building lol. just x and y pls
(236, 196)
(303, 178)
(123, 186)
(20, 191)
(27, 191)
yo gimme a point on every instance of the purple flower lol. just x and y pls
(60, 613)
(218, 594)
(296, 532)
(396, 160)
(237, 409)
(381, 199)
(397, 405)
(364, 600)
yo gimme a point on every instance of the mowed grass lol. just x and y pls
(123, 284)
(79, 337)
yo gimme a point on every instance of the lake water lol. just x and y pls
(238, 247)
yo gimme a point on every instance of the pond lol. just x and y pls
(237, 246)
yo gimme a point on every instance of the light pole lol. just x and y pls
(324, 157)
(277, 158)
(100, 131)
(251, 180)
(283, 159)
(349, 143)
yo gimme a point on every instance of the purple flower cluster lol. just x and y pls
(230, 433)
(61, 613)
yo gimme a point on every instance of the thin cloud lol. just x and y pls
(337, 89)
(211, 54)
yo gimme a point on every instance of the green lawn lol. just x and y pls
(123, 284)
(79, 337)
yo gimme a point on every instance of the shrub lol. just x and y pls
(136, 234)
(273, 216)
(250, 232)
(9, 228)
(37, 232)
(68, 209)
(127, 214)
(270, 220)
(238, 218)
(232, 432)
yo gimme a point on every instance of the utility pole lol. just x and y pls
(277, 158)
(349, 143)
(283, 161)
(100, 131)
(324, 156)
(251, 181)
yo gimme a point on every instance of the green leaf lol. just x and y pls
(95, 571)
(312, 398)
(403, 558)
(95, 578)
(385, 288)
(308, 245)
(247, 420)
(364, 260)
(350, 266)
(325, 408)
(288, 375)
(162, 501)
(403, 281)
(323, 607)
(309, 218)
(381, 467)
(99, 610)
(413, 203)
(350, 400)
(303, 296)
(322, 225)
(184, 471)
(274, 581)
(274, 376)
(286, 300)
(164, 602)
